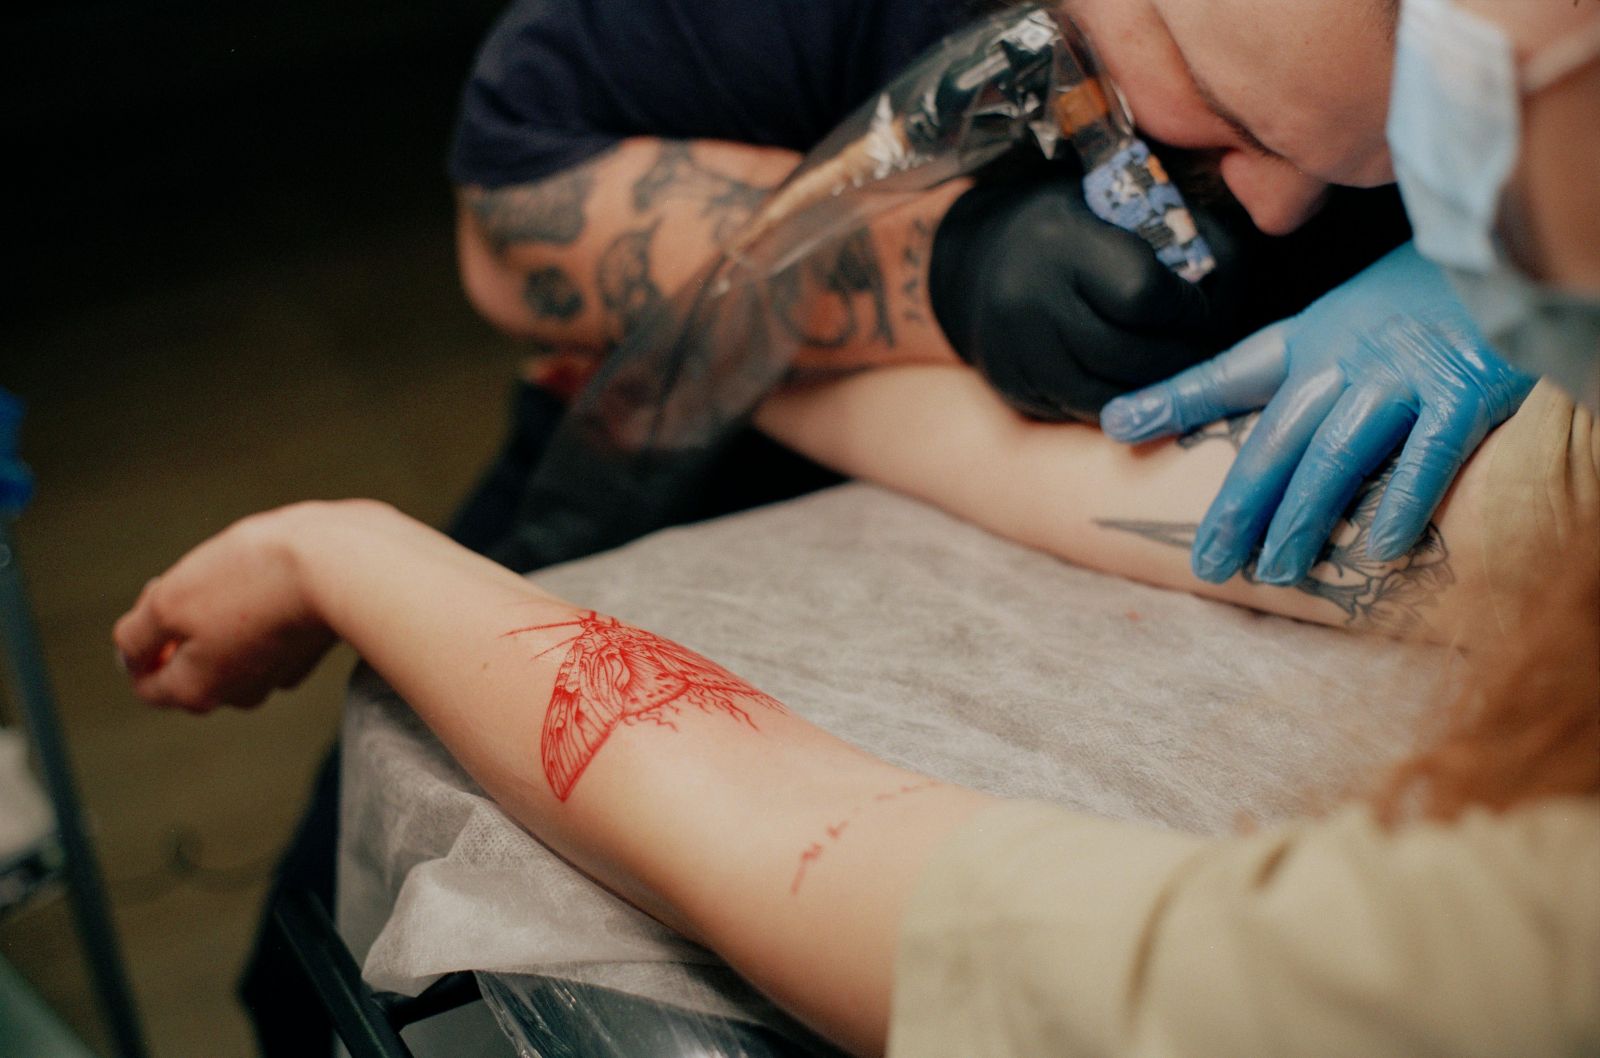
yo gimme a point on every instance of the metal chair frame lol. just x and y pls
(81, 868)
(367, 1021)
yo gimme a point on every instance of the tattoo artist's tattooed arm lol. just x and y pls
(580, 259)
(535, 257)
(551, 211)
(551, 294)
(625, 277)
(677, 176)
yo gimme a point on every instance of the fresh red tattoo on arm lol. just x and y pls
(834, 831)
(617, 674)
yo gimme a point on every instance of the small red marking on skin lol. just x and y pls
(1133, 615)
(617, 674)
(813, 852)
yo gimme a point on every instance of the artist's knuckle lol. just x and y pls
(1135, 285)
(1012, 299)
(159, 604)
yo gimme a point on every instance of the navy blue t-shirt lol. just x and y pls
(559, 81)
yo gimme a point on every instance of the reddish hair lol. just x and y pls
(1527, 726)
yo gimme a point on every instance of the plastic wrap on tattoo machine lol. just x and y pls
(642, 433)
(546, 1017)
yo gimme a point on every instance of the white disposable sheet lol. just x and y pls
(917, 637)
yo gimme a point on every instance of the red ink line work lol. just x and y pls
(834, 831)
(617, 674)
(808, 855)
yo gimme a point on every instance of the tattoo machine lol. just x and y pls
(1026, 73)
(645, 433)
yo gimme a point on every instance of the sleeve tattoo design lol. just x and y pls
(813, 300)
(834, 832)
(617, 674)
(840, 273)
(914, 259)
(1371, 594)
(627, 289)
(549, 211)
(551, 294)
(676, 175)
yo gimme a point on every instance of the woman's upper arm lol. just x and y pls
(940, 435)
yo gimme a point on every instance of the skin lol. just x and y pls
(939, 435)
(1305, 84)
(684, 219)
(809, 907)
(1550, 221)
(256, 607)
(1293, 100)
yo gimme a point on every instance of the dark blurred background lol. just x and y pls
(233, 287)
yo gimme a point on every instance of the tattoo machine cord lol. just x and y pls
(643, 435)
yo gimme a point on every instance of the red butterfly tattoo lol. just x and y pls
(617, 674)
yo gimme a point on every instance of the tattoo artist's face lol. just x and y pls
(1290, 95)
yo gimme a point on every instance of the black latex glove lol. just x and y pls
(1062, 311)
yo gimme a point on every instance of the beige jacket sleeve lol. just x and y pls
(1036, 931)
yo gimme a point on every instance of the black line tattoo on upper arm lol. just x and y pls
(628, 290)
(550, 211)
(551, 294)
(677, 175)
(1387, 596)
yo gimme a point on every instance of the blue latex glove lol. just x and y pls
(1390, 356)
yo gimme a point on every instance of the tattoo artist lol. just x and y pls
(604, 148)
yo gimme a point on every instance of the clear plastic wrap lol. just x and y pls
(641, 434)
(547, 1017)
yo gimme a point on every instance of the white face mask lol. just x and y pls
(1455, 133)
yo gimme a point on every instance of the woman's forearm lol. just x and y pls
(668, 779)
